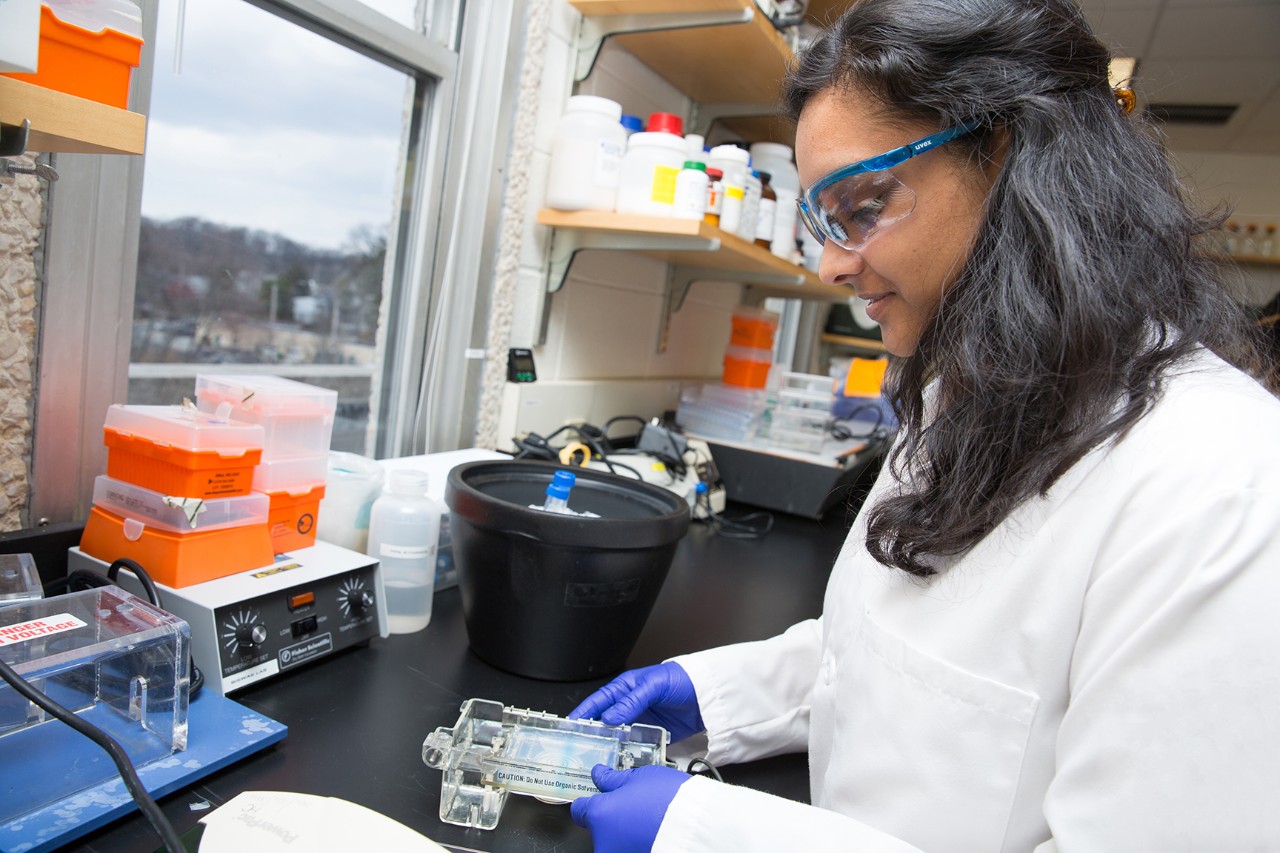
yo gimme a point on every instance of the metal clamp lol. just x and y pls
(13, 138)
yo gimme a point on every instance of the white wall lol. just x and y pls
(1249, 184)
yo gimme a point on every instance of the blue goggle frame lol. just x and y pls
(808, 202)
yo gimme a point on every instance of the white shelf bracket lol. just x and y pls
(567, 242)
(680, 277)
(594, 29)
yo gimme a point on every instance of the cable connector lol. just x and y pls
(662, 442)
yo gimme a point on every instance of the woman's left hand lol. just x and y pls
(626, 815)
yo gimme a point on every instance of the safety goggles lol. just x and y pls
(854, 202)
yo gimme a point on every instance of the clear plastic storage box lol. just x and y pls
(110, 658)
(178, 514)
(493, 751)
(297, 417)
(19, 580)
(294, 474)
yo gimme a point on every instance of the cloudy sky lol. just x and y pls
(266, 125)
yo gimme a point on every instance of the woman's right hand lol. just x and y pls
(660, 695)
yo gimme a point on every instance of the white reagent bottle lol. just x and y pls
(404, 527)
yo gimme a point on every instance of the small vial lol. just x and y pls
(558, 492)
(752, 189)
(765, 215)
(695, 497)
(694, 151)
(1250, 245)
(715, 196)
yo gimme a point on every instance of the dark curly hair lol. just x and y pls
(1084, 285)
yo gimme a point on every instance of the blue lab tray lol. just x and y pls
(220, 732)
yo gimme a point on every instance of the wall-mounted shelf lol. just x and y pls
(1252, 260)
(67, 124)
(694, 251)
(723, 54)
(851, 342)
(704, 250)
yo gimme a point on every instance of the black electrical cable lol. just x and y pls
(81, 579)
(534, 446)
(609, 423)
(753, 525)
(144, 579)
(692, 770)
(841, 429)
(148, 806)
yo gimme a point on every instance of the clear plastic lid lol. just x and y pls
(799, 398)
(123, 16)
(19, 580)
(749, 354)
(264, 394)
(293, 474)
(178, 514)
(185, 427)
(811, 382)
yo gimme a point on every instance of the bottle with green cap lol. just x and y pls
(691, 191)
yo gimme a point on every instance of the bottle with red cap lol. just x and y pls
(665, 123)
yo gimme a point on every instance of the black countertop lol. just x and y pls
(357, 719)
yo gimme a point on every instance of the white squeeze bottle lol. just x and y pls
(404, 527)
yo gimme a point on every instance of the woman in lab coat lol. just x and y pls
(1053, 624)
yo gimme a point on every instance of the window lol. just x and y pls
(268, 197)
(319, 200)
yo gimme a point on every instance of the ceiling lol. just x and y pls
(1192, 52)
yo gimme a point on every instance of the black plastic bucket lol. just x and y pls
(558, 597)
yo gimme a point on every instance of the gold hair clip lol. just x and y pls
(1125, 99)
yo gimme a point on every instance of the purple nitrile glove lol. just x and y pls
(625, 817)
(660, 695)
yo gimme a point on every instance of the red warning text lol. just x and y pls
(34, 628)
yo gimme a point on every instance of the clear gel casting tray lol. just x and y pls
(494, 750)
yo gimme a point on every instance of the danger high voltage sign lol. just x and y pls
(10, 634)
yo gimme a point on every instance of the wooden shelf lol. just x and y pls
(67, 124)
(865, 344)
(691, 244)
(823, 12)
(739, 63)
(1254, 260)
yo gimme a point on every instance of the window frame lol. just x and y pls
(440, 250)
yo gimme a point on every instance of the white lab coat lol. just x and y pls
(1101, 672)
